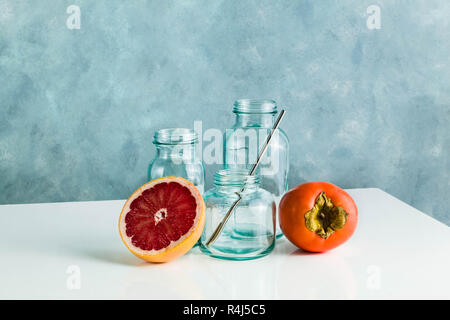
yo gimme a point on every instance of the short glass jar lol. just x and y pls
(254, 121)
(250, 230)
(176, 156)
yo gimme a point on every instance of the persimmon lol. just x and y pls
(317, 216)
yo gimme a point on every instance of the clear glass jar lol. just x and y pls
(250, 230)
(254, 120)
(176, 156)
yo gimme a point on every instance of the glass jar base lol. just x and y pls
(279, 235)
(236, 254)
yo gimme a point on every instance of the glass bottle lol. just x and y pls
(176, 156)
(254, 120)
(250, 230)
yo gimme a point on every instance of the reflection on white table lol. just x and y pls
(73, 251)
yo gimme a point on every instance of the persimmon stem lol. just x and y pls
(325, 218)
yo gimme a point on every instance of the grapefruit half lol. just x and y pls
(163, 219)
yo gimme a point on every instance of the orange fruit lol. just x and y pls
(317, 216)
(163, 219)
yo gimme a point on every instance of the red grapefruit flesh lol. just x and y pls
(163, 219)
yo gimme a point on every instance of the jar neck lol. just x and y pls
(264, 120)
(230, 181)
(232, 190)
(184, 151)
(255, 112)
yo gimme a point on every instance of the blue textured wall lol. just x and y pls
(366, 108)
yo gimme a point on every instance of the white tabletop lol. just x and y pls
(73, 250)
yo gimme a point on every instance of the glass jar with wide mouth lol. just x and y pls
(254, 121)
(176, 155)
(250, 230)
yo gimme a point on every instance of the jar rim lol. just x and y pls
(235, 177)
(173, 136)
(256, 106)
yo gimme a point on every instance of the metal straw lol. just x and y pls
(221, 225)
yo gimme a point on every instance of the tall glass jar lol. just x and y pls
(176, 156)
(254, 120)
(250, 230)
